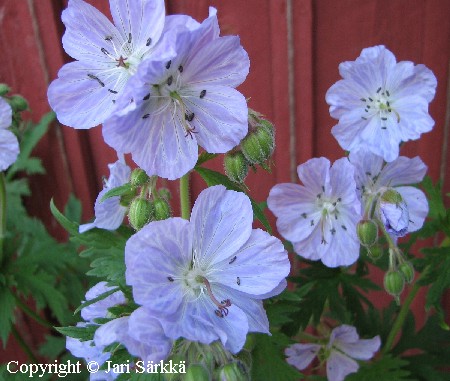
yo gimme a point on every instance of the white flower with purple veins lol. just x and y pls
(320, 216)
(109, 213)
(183, 99)
(383, 184)
(380, 102)
(9, 146)
(205, 279)
(85, 91)
(343, 348)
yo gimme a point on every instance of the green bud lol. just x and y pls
(236, 166)
(138, 177)
(162, 209)
(232, 372)
(367, 232)
(126, 198)
(407, 270)
(4, 89)
(375, 252)
(196, 372)
(391, 196)
(258, 145)
(140, 213)
(18, 103)
(394, 282)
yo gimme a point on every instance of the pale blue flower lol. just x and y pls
(341, 351)
(9, 146)
(380, 102)
(204, 278)
(320, 216)
(85, 91)
(182, 98)
(109, 213)
(374, 177)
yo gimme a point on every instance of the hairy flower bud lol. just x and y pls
(236, 166)
(138, 177)
(394, 282)
(367, 232)
(375, 252)
(196, 372)
(259, 144)
(4, 89)
(140, 213)
(162, 209)
(407, 270)
(232, 372)
(18, 103)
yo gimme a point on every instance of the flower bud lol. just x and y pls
(258, 145)
(375, 252)
(407, 270)
(138, 177)
(367, 232)
(394, 213)
(231, 372)
(196, 372)
(394, 282)
(236, 166)
(162, 209)
(4, 89)
(18, 103)
(140, 213)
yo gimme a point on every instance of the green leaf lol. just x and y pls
(81, 333)
(118, 191)
(435, 202)
(7, 305)
(387, 368)
(97, 299)
(215, 178)
(204, 157)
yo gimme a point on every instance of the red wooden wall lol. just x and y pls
(295, 47)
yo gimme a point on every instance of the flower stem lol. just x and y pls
(185, 201)
(23, 345)
(2, 213)
(31, 313)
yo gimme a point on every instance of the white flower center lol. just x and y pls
(380, 104)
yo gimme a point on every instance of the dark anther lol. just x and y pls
(104, 51)
(368, 106)
(364, 118)
(304, 215)
(319, 196)
(112, 91)
(108, 38)
(323, 188)
(168, 64)
(344, 227)
(312, 222)
(149, 41)
(202, 94)
(92, 76)
(390, 110)
(146, 97)
(219, 313)
(335, 217)
(387, 93)
(114, 101)
(238, 281)
(180, 69)
(232, 260)
(363, 99)
(379, 89)
(169, 80)
(333, 231)
(370, 99)
(170, 279)
(129, 38)
(334, 203)
(384, 128)
(368, 173)
(387, 104)
(366, 110)
(383, 118)
(145, 116)
(189, 117)
(339, 199)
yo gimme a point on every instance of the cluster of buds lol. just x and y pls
(400, 271)
(17, 103)
(255, 149)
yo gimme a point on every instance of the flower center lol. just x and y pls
(381, 105)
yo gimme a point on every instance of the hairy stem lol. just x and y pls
(185, 201)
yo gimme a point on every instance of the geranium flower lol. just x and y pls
(381, 103)
(183, 98)
(109, 213)
(343, 347)
(401, 208)
(320, 216)
(107, 55)
(204, 278)
(9, 146)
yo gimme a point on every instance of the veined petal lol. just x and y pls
(154, 260)
(342, 182)
(402, 171)
(414, 117)
(143, 20)
(80, 95)
(344, 333)
(340, 366)
(111, 332)
(301, 355)
(314, 174)
(5, 114)
(87, 32)
(256, 268)
(362, 349)
(417, 204)
(221, 116)
(9, 149)
(100, 309)
(222, 222)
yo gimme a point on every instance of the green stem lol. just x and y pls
(23, 345)
(2, 213)
(185, 201)
(31, 313)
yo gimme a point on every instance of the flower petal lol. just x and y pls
(315, 174)
(100, 309)
(363, 349)
(9, 149)
(301, 355)
(417, 204)
(403, 171)
(340, 366)
(5, 114)
(222, 221)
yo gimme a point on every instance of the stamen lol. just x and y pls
(370, 99)
(333, 231)
(104, 51)
(223, 305)
(180, 69)
(344, 227)
(170, 279)
(379, 89)
(108, 38)
(146, 97)
(238, 281)
(149, 41)
(312, 222)
(129, 38)
(145, 116)
(304, 215)
(92, 76)
(387, 93)
(323, 188)
(363, 99)
(168, 65)
(169, 80)
(202, 94)
(189, 117)
(364, 118)
(232, 260)
(112, 91)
